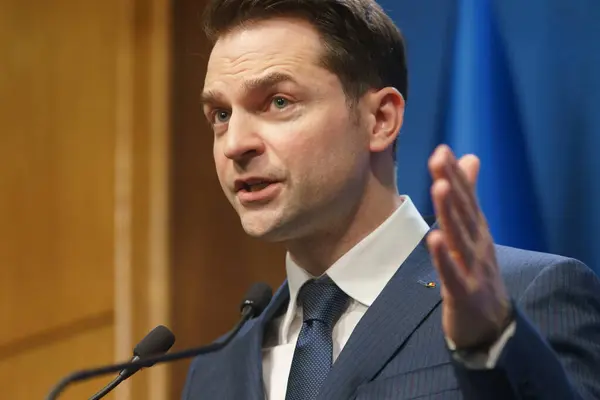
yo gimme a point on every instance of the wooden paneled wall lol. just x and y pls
(111, 217)
(83, 190)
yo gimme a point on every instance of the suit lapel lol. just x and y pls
(398, 311)
(245, 359)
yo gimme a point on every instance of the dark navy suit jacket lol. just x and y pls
(398, 350)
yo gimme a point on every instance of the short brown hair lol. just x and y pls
(362, 45)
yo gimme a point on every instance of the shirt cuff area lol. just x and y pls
(483, 360)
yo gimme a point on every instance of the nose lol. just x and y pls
(242, 140)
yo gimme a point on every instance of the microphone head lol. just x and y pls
(257, 298)
(158, 341)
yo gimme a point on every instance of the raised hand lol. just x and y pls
(476, 307)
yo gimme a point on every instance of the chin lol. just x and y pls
(269, 231)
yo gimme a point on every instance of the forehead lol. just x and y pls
(284, 45)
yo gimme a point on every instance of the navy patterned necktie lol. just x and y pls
(322, 305)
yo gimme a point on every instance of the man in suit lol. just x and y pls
(306, 99)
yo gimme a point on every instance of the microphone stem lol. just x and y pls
(247, 313)
(108, 388)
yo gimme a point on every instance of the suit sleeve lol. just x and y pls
(554, 352)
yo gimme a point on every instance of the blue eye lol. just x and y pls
(280, 102)
(221, 116)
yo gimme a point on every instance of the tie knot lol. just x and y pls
(322, 300)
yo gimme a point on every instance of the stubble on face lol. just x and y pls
(314, 146)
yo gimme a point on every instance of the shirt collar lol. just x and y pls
(364, 270)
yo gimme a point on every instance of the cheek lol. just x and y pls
(332, 139)
(324, 150)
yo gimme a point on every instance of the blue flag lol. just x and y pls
(483, 119)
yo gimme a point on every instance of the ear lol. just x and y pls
(386, 107)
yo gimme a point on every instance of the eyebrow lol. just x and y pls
(267, 81)
(210, 97)
(252, 85)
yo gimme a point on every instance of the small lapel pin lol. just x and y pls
(428, 284)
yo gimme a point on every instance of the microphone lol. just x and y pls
(256, 300)
(157, 342)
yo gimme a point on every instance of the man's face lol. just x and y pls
(290, 153)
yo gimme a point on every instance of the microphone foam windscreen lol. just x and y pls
(258, 296)
(158, 341)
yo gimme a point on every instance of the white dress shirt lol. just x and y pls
(361, 273)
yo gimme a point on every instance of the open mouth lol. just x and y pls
(257, 190)
(255, 187)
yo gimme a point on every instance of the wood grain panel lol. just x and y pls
(31, 375)
(58, 88)
(142, 165)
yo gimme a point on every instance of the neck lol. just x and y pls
(317, 252)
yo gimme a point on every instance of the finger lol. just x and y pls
(452, 278)
(463, 174)
(443, 165)
(464, 199)
(457, 236)
(471, 216)
(470, 165)
(437, 161)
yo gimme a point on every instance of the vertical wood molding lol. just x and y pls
(142, 286)
(123, 155)
(159, 267)
(123, 163)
